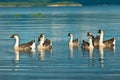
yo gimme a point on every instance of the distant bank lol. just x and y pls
(64, 3)
(59, 5)
(30, 4)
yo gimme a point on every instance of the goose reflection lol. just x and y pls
(91, 59)
(17, 57)
(71, 52)
(42, 53)
(101, 58)
(101, 51)
(91, 53)
(71, 49)
(16, 60)
(17, 53)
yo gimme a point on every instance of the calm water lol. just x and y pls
(60, 63)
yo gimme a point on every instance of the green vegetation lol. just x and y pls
(21, 4)
(17, 15)
(36, 15)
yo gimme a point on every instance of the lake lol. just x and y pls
(60, 63)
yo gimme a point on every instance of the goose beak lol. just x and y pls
(38, 39)
(69, 34)
(88, 34)
(99, 31)
(33, 41)
(12, 36)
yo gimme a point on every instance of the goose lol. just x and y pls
(107, 43)
(72, 42)
(44, 44)
(29, 46)
(95, 39)
(86, 45)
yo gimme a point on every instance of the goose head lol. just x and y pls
(70, 34)
(41, 37)
(14, 36)
(89, 33)
(100, 31)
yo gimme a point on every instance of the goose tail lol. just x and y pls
(114, 41)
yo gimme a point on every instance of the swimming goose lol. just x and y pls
(95, 39)
(72, 42)
(86, 45)
(108, 43)
(23, 47)
(44, 44)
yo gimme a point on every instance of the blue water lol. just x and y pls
(60, 63)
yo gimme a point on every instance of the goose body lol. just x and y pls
(86, 45)
(44, 44)
(95, 39)
(107, 43)
(23, 47)
(72, 42)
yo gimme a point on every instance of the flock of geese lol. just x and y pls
(97, 42)
(46, 44)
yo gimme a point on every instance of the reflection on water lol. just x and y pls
(18, 52)
(16, 55)
(71, 49)
(42, 53)
(101, 58)
(91, 53)
(17, 59)
(101, 52)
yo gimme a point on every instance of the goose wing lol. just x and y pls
(96, 40)
(76, 41)
(28, 44)
(109, 41)
(85, 44)
(47, 42)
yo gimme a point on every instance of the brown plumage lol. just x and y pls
(95, 39)
(76, 41)
(47, 42)
(109, 43)
(28, 44)
(44, 44)
(87, 45)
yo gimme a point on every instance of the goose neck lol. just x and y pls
(42, 41)
(17, 42)
(90, 43)
(71, 39)
(101, 39)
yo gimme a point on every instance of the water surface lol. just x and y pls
(60, 62)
